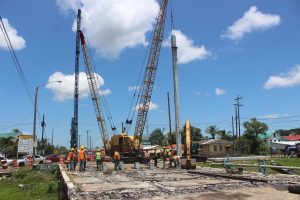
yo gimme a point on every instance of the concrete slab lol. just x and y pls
(115, 186)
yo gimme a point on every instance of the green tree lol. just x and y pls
(213, 130)
(47, 147)
(195, 134)
(157, 137)
(253, 129)
(9, 146)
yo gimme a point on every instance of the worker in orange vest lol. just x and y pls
(70, 158)
(81, 158)
(117, 159)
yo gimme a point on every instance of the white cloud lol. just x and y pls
(113, 25)
(272, 116)
(220, 91)
(251, 21)
(133, 88)
(152, 106)
(17, 41)
(283, 80)
(65, 90)
(187, 50)
(275, 116)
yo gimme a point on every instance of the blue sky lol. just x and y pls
(226, 48)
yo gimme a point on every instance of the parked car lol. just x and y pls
(23, 160)
(53, 158)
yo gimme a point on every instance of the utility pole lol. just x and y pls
(87, 139)
(43, 124)
(232, 126)
(52, 138)
(237, 104)
(176, 95)
(90, 142)
(170, 125)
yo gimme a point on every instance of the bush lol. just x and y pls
(52, 187)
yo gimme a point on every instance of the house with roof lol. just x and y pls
(212, 148)
(292, 137)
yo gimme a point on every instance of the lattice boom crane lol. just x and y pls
(149, 76)
(94, 93)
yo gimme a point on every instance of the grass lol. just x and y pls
(37, 185)
(295, 162)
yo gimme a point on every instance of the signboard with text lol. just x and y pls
(25, 144)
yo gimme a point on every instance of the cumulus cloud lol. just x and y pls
(65, 90)
(16, 40)
(152, 106)
(251, 21)
(187, 50)
(133, 88)
(113, 25)
(275, 116)
(283, 80)
(220, 91)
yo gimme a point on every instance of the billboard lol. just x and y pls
(25, 144)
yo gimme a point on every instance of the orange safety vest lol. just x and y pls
(70, 156)
(117, 156)
(81, 155)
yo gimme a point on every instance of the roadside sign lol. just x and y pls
(25, 144)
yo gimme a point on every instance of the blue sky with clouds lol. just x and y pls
(225, 48)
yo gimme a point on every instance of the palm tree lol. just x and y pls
(213, 130)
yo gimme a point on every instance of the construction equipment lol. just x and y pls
(91, 78)
(149, 76)
(74, 123)
(188, 163)
(130, 146)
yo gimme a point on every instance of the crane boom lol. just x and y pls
(94, 93)
(149, 76)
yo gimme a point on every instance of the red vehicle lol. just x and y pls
(53, 157)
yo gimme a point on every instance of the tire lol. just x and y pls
(21, 164)
(41, 162)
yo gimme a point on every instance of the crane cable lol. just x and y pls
(105, 104)
(139, 86)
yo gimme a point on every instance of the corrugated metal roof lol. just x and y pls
(292, 137)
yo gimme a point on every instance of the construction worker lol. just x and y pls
(98, 159)
(164, 155)
(69, 161)
(102, 158)
(147, 158)
(81, 158)
(155, 157)
(75, 159)
(85, 159)
(117, 159)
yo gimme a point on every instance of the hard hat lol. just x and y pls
(72, 149)
(98, 150)
(81, 147)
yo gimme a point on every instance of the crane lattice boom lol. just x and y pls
(149, 76)
(94, 93)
